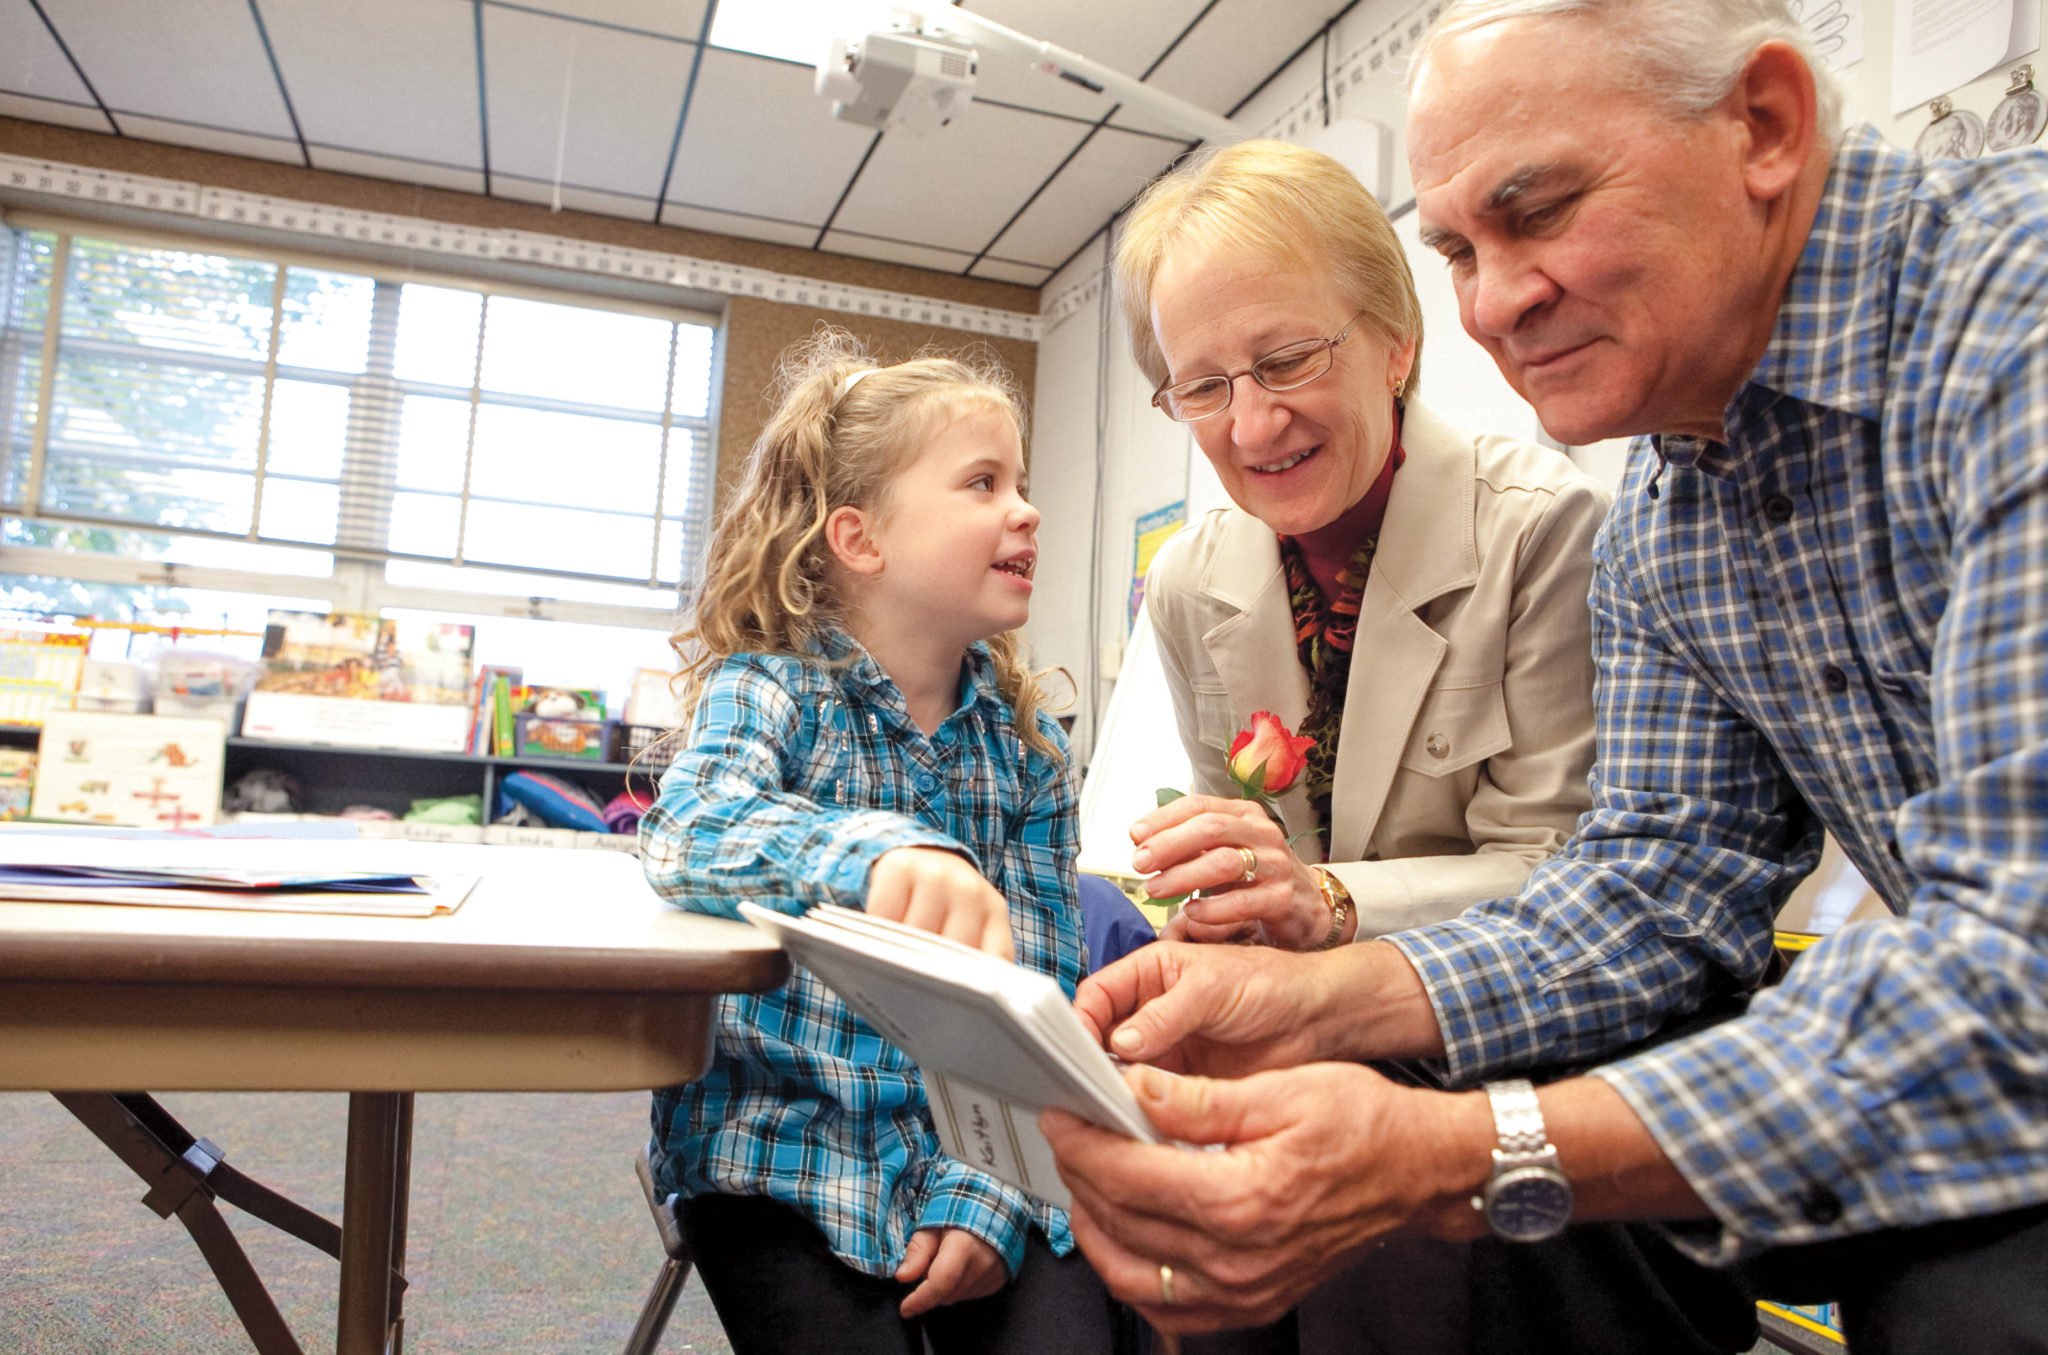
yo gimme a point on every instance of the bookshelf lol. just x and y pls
(332, 778)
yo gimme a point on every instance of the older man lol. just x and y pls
(1821, 601)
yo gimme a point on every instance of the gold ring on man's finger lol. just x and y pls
(1166, 1285)
(1250, 859)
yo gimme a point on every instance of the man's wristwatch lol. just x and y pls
(1527, 1198)
(1339, 898)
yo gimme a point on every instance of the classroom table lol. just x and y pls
(561, 972)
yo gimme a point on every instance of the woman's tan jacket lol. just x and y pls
(1468, 722)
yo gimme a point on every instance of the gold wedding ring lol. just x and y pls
(1166, 1286)
(1251, 864)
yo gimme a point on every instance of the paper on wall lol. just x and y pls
(1836, 27)
(1939, 45)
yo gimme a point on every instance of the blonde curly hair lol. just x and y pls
(767, 586)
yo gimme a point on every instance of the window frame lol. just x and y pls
(357, 581)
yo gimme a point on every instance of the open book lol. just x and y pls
(996, 1042)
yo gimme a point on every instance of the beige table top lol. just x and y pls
(562, 971)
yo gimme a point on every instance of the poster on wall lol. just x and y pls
(130, 771)
(1150, 533)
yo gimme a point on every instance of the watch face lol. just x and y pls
(1528, 1204)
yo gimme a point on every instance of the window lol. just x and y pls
(177, 419)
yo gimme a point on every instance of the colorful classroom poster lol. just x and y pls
(1150, 534)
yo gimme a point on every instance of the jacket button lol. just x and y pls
(1436, 745)
(1820, 1205)
(1834, 679)
(1778, 508)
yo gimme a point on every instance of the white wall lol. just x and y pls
(1148, 462)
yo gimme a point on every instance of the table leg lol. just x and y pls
(401, 1211)
(373, 1221)
(185, 1173)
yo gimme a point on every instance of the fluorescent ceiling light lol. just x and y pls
(795, 30)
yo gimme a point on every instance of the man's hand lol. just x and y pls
(1319, 1162)
(1219, 1010)
(955, 1266)
(940, 891)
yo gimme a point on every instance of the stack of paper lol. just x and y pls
(371, 893)
(996, 1042)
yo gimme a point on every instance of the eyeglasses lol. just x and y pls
(1283, 369)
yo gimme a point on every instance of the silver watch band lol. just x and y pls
(1517, 1117)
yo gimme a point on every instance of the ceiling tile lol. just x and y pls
(1003, 271)
(1232, 50)
(956, 187)
(35, 64)
(1095, 185)
(390, 77)
(758, 140)
(624, 92)
(49, 110)
(141, 57)
(675, 18)
(1124, 37)
(896, 251)
(746, 227)
(574, 197)
(283, 149)
(342, 161)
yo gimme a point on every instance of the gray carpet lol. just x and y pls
(528, 1232)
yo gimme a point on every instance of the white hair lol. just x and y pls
(1683, 54)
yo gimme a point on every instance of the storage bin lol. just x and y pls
(641, 746)
(550, 736)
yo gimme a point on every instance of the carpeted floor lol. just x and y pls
(528, 1232)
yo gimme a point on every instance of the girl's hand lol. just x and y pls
(940, 891)
(955, 1266)
(1193, 844)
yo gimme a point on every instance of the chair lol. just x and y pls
(1111, 922)
(675, 1271)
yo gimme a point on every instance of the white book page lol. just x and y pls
(962, 1013)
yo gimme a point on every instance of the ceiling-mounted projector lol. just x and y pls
(897, 82)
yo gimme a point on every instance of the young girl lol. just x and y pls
(865, 732)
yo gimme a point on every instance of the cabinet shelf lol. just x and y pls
(332, 777)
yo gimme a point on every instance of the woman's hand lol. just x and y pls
(1198, 842)
(1222, 1011)
(954, 1266)
(939, 891)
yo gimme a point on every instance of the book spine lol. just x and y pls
(501, 704)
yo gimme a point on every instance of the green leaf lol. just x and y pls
(1167, 795)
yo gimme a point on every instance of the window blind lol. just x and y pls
(166, 389)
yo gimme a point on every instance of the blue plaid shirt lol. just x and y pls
(1837, 617)
(793, 779)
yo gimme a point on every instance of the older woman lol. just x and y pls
(1411, 597)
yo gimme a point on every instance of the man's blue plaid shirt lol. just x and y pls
(793, 779)
(1839, 618)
